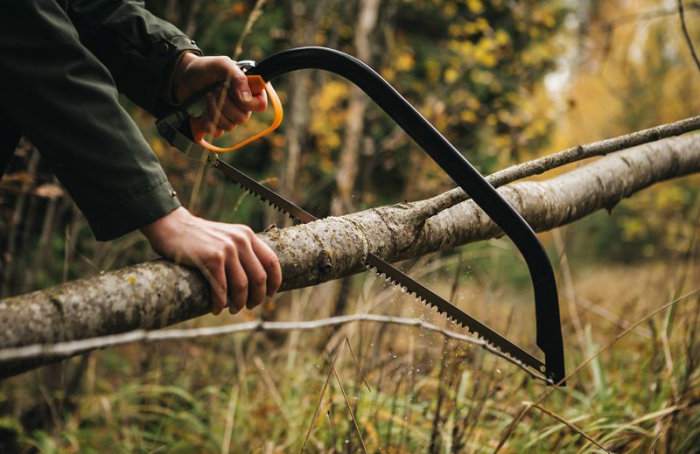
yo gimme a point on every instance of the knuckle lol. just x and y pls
(215, 257)
(240, 284)
(239, 76)
(259, 280)
(240, 239)
(229, 249)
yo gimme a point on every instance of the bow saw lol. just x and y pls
(175, 128)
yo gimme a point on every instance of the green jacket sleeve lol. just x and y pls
(136, 46)
(60, 96)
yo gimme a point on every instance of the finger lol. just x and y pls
(269, 261)
(240, 89)
(257, 277)
(234, 114)
(215, 272)
(257, 87)
(237, 280)
(259, 103)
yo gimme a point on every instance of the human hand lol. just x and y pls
(236, 262)
(225, 110)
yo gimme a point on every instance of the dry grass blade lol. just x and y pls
(320, 398)
(357, 364)
(568, 424)
(349, 407)
(272, 388)
(521, 414)
(230, 416)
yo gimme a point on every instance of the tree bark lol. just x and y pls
(157, 294)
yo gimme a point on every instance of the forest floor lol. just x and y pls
(398, 388)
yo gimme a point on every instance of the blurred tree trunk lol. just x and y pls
(160, 293)
(354, 124)
(303, 28)
(346, 174)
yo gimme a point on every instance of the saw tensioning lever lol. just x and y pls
(175, 129)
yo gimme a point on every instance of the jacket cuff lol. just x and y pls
(169, 52)
(135, 213)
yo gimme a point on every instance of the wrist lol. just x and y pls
(164, 226)
(175, 92)
(179, 86)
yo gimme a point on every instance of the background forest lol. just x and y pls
(505, 82)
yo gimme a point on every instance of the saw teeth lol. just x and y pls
(403, 288)
(267, 202)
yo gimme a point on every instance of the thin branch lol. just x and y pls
(71, 348)
(688, 39)
(252, 19)
(570, 155)
(646, 15)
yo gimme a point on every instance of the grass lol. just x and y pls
(400, 388)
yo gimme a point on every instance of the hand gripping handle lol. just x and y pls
(254, 80)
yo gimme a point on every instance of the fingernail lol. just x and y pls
(246, 96)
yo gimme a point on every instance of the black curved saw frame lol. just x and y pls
(175, 128)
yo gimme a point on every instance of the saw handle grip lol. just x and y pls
(254, 81)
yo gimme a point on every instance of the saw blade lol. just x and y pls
(388, 272)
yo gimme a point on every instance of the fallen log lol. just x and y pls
(160, 293)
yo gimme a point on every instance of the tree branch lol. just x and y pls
(157, 294)
(688, 39)
(574, 154)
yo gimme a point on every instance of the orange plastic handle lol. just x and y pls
(278, 111)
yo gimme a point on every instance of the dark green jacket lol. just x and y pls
(61, 66)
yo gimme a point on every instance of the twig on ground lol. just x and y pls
(70, 348)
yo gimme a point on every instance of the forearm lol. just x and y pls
(63, 99)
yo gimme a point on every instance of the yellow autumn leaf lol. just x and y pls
(404, 62)
(502, 37)
(468, 116)
(475, 6)
(451, 75)
(450, 9)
